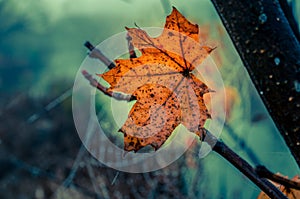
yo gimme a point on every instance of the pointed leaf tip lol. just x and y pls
(209, 49)
(158, 82)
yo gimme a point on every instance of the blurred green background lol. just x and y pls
(41, 49)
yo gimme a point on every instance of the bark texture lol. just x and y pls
(270, 52)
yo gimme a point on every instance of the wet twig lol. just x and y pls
(270, 52)
(95, 53)
(263, 172)
(248, 171)
(104, 90)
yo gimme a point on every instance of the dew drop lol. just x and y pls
(298, 143)
(262, 18)
(277, 61)
(262, 51)
(277, 19)
(297, 85)
(261, 92)
(290, 99)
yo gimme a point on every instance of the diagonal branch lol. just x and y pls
(243, 166)
(270, 52)
(217, 146)
(104, 90)
(95, 53)
(263, 172)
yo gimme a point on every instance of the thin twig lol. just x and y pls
(104, 90)
(39, 172)
(244, 167)
(263, 172)
(58, 100)
(95, 53)
(69, 180)
(91, 174)
(115, 178)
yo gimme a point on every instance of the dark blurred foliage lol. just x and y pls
(46, 160)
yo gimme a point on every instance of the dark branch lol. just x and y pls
(243, 145)
(270, 52)
(263, 172)
(244, 167)
(217, 146)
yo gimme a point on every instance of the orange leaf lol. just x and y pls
(162, 80)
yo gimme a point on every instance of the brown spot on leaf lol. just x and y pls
(167, 93)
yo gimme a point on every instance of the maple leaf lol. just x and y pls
(163, 83)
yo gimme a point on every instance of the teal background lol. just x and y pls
(41, 49)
